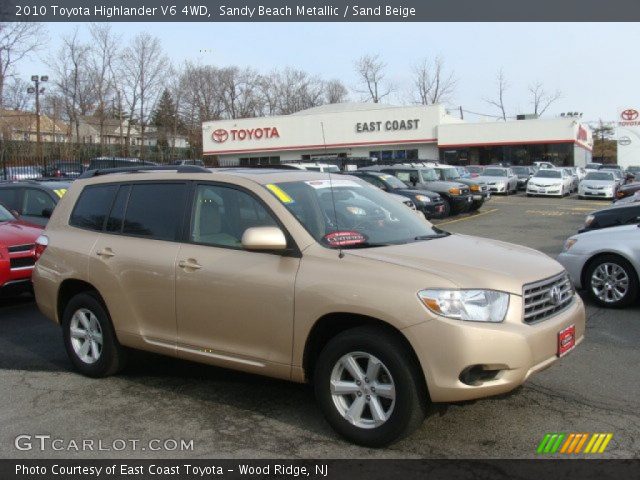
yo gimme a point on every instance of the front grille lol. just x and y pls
(22, 262)
(21, 248)
(545, 298)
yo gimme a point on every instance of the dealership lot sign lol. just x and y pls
(221, 135)
(628, 135)
(387, 125)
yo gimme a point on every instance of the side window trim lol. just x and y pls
(292, 250)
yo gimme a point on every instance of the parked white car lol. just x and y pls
(598, 184)
(550, 181)
(606, 263)
(499, 180)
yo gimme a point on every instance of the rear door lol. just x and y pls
(133, 262)
(235, 307)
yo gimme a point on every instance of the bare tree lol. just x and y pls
(145, 66)
(104, 51)
(335, 92)
(240, 92)
(15, 94)
(290, 91)
(540, 99)
(498, 102)
(72, 81)
(432, 84)
(17, 41)
(371, 71)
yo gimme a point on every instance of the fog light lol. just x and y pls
(477, 374)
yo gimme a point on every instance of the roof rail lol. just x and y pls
(155, 168)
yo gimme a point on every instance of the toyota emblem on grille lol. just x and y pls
(554, 295)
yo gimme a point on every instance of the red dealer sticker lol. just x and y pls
(344, 238)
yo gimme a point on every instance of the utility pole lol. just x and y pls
(36, 79)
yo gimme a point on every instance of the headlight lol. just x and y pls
(589, 220)
(471, 305)
(454, 191)
(423, 198)
(569, 243)
(475, 188)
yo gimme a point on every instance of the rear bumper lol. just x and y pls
(515, 350)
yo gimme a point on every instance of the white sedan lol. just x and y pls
(550, 181)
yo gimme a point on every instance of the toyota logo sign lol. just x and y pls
(629, 114)
(220, 135)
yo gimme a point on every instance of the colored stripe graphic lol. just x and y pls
(573, 443)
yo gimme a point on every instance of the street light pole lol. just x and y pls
(37, 90)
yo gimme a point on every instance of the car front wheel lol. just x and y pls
(369, 387)
(612, 281)
(89, 338)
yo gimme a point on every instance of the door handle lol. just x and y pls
(106, 253)
(189, 264)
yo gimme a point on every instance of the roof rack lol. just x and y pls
(155, 168)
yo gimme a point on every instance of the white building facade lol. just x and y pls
(393, 134)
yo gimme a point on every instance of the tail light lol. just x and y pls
(58, 173)
(42, 242)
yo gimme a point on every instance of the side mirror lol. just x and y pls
(46, 213)
(264, 238)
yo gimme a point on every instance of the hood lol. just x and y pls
(441, 185)
(18, 233)
(469, 262)
(474, 181)
(413, 192)
(597, 183)
(545, 181)
(493, 179)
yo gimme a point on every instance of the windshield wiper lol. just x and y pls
(431, 237)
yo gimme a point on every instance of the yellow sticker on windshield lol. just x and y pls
(281, 194)
(60, 192)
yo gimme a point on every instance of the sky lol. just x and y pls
(595, 66)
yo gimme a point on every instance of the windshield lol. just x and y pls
(448, 173)
(615, 173)
(593, 166)
(494, 172)
(392, 181)
(353, 216)
(599, 176)
(521, 170)
(546, 173)
(5, 215)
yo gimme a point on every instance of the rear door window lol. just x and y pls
(156, 211)
(36, 202)
(93, 206)
(11, 198)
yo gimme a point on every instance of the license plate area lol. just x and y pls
(566, 340)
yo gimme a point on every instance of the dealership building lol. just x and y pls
(395, 134)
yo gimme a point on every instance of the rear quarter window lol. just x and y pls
(155, 210)
(92, 207)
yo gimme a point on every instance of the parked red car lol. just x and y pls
(17, 252)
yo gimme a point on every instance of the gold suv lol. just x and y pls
(300, 276)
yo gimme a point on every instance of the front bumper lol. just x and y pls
(447, 348)
(431, 210)
(589, 193)
(546, 191)
(574, 264)
(461, 203)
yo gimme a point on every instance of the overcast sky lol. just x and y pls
(596, 66)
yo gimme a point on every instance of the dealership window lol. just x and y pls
(249, 161)
(399, 155)
(560, 154)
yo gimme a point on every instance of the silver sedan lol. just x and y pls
(606, 263)
(598, 184)
(499, 180)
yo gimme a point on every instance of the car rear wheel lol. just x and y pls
(612, 281)
(89, 338)
(369, 387)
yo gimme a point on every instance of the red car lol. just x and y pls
(17, 252)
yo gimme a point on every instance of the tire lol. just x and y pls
(399, 416)
(447, 208)
(86, 310)
(475, 206)
(611, 270)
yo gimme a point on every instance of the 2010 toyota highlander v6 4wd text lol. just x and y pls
(300, 276)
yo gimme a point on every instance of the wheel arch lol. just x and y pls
(332, 324)
(69, 288)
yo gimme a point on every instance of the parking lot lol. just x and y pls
(229, 414)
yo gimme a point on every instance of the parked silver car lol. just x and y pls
(606, 263)
(617, 173)
(499, 180)
(575, 179)
(550, 181)
(599, 184)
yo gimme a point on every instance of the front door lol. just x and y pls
(234, 307)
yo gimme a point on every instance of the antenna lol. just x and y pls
(333, 199)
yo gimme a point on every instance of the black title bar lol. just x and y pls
(321, 11)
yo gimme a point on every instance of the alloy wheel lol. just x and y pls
(610, 282)
(362, 389)
(86, 336)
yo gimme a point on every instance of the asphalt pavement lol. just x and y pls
(218, 413)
